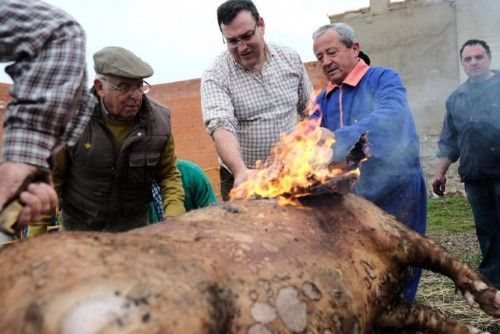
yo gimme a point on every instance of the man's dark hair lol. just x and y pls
(474, 42)
(231, 8)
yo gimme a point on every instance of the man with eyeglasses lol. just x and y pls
(253, 92)
(104, 181)
(471, 133)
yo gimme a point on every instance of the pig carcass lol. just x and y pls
(337, 264)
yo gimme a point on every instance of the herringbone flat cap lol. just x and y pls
(118, 61)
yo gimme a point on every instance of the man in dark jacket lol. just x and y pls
(105, 180)
(471, 132)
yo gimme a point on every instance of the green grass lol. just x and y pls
(452, 214)
(449, 214)
(473, 259)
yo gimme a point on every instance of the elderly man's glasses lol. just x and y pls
(245, 38)
(142, 88)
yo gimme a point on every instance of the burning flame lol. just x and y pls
(298, 161)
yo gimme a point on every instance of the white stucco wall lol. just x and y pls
(420, 39)
(479, 19)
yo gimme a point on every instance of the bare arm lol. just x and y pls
(443, 165)
(228, 148)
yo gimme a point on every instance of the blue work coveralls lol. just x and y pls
(373, 100)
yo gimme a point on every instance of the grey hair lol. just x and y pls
(345, 32)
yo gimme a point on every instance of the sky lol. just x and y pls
(180, 38)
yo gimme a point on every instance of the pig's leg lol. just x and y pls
(423, 252)
(420, 317)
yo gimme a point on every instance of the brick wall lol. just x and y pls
(316, 75)
(4, 99)
(183, 100)
(191, 141)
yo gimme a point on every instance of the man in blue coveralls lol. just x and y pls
(362, 99)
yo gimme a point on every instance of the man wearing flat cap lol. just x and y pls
(104, 181)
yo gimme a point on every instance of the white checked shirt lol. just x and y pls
(255, 107)
(50, 101)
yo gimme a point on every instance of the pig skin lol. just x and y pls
(335, 265)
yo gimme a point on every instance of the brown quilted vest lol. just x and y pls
(109, 189)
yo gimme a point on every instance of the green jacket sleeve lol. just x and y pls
(169, 180)
(204, 192)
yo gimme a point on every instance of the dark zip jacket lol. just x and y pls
(471, 130)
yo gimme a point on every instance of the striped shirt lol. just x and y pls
(255, 106)
(50, 101)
